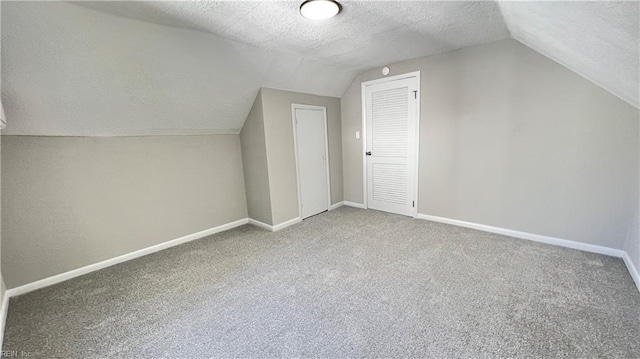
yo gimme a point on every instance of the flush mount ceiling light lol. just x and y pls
(319, 9)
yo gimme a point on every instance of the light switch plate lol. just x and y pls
(357, 135)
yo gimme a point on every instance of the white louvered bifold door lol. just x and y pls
(391, 141)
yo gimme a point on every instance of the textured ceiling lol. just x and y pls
(75, 69)
(364, 35)
(68, 70)
(598, 40)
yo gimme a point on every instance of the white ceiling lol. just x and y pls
(365, 34)
(598, 40)
(172, 80)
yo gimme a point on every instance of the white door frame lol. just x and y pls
(295, 106)
(415, 74)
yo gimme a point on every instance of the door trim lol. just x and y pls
(363, 136)
(295, 106)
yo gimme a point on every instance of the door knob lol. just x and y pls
(368, 153)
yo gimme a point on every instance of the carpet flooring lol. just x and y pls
(348, 283)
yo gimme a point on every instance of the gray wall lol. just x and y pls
(2, 285)
(72, 201)
(512, 139)
(280, 149)
(632, 245)
(254, 161)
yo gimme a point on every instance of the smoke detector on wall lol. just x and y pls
(385, 71)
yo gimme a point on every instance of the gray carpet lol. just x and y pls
(348, 283)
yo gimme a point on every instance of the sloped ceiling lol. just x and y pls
(365, 34)
(598, 40)
(194, 67)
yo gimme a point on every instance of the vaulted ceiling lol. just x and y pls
(366, 34)
(195, 66)
(598, 40)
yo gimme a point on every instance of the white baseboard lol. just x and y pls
(263, 225)
(530, 236)
(277, 227)
(353, 204)
(4, 309)
(336, 205)
(116, 260)
(632, 269)
(286, 224)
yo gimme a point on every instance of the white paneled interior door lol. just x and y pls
(391, 116)
(312, 159)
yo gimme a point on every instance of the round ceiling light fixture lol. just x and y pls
(319, 9)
